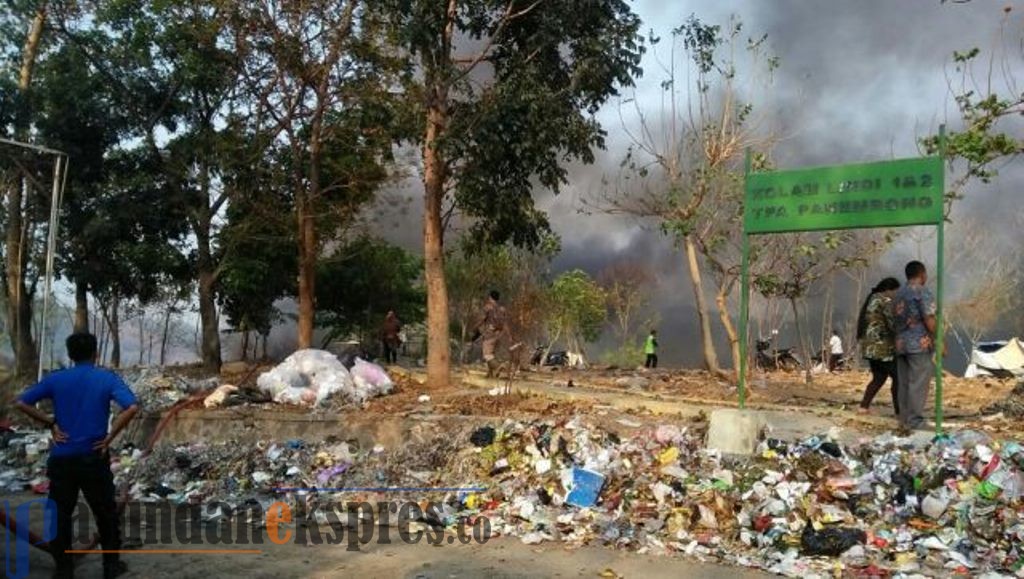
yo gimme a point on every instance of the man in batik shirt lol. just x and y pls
(913, 310)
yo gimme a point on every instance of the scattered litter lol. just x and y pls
(886, 506)
(586, 485)
(219, 396)
(158, 390)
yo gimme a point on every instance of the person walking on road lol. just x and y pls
(651, 350)
(391, 337)
(878, 342)
(80, 459)
(913, 310)
(492, 328)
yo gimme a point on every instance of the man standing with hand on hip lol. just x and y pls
(79, 459)
(913, 310)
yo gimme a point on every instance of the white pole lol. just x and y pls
(51, 249)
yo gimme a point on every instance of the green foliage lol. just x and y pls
(628, 355)
(983, 140)
(550, 66)
(576, 308)
(361, 281)
(258, 260)
(470, 275)
(518, 274)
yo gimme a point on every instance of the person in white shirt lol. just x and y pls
(835, 347)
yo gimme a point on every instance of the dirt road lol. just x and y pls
(499, 558)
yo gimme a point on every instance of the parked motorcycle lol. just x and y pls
(559, 358)
(780, 359)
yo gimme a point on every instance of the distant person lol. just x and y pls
(80, 457)
(913, 309)
(391, 337)
(878, 342)
(835, 350)
(651, 350)
(491, 328)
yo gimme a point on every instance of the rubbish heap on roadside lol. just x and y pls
(158, 390)
(23, 456)
(1012, 406)
(885, 506)
(310, 377)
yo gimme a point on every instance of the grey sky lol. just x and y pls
(859, 81)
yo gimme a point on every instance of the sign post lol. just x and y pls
(899, 193)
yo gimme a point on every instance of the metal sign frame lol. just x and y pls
(60, 177)
(861, 197)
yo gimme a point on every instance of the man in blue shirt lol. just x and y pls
(913, 310)
(79, 458)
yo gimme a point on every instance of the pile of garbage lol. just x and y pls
(887, 505)
(310, 377)
(158, 390)
(23, 456)
(1011, 406)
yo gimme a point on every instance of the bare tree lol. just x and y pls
(628, 286)
(984, 279)
(678, 161)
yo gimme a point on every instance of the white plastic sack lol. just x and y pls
(308, 378)
(370, 380)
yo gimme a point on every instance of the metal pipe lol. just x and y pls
(51, 249)
(940, 274)
(38, 148)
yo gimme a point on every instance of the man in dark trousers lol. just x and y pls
(913, 312)
(651, 350)
(390, 337)
(79, 458)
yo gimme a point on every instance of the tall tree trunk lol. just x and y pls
(245, 345)
(722, 303)
(210, 344)
(163, 338)
(438, 354)
(104, 308)
(142, 337)
(805, 352)
(19, 302)
(307, 243)
(81, 307)
(115, 332)
(463, 337)
(706, 338)
(207, 299)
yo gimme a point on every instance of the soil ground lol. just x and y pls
(498, 558)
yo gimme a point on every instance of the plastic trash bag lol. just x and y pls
(309, 377)
(369, 380)
(830, 541)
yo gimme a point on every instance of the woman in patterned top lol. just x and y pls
(878, 341)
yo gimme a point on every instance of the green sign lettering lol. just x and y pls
(885, 194)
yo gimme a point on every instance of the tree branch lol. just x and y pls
(483, 54)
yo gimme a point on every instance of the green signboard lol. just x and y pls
(885, 194)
